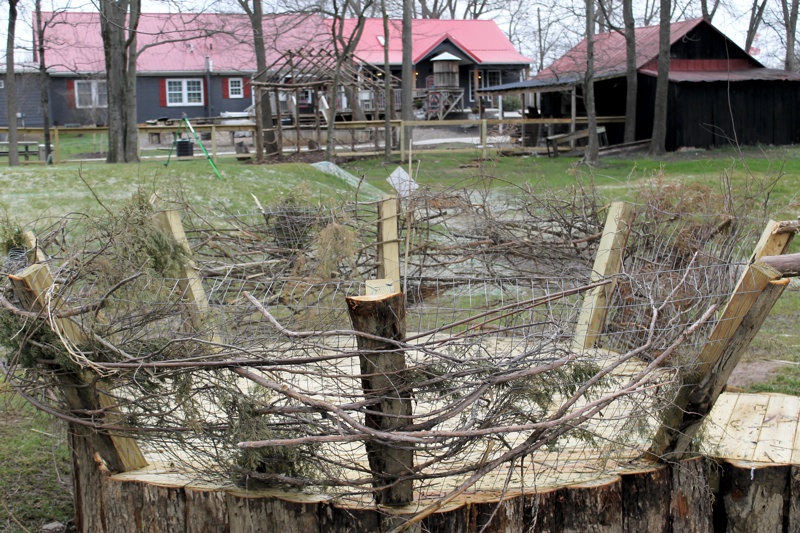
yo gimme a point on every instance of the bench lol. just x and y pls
(554, 140)
(24, 148)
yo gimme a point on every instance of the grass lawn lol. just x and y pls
(35, 469)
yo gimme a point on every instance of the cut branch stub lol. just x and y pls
(389, 401)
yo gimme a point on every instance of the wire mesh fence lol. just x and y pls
(262, 381)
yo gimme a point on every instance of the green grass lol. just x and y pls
(36, 192)
(35, 483)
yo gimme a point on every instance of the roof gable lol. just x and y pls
(610, 52)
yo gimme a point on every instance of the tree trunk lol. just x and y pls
(594, 507)
(256, 16)
(588, 86)
(11, 85)
(382, 368)
(691, 499)
(44, 80)
(756, 16)
(387, 89)
(631, 72)
(118, 22)
(659, 137)
(646, 495)
(790, 8)
(407, 95)
(753, 495)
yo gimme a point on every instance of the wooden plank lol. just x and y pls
(191, 287)
(389, 245)
(773, 241)
(694, 400)
(795, 460)
(33, 286)
(375, 287)
(744, 426)
(776, 440)
(715, 426)
(607, 263)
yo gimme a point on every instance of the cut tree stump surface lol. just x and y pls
(751, 427)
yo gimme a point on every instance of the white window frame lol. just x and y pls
(93, 92)
(183, 92)
(235, 92)
(2, 84)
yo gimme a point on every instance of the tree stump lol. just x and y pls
(753, 494)
(388, 398)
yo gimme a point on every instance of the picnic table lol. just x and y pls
(24, 148)
(554, 140)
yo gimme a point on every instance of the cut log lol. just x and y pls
(594, 507)
(382, 366)
(691, 499)
(645, 500)
(787, 265)
(753, 495)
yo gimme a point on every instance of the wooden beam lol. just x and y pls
(608, 262)
(702, 382)
(191, 287)
(389, 245)
(34, 288)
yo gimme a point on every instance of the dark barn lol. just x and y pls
(718, 94)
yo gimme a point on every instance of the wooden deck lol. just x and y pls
(754, 427)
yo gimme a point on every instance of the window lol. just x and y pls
(235, 88)
(486, 78)
(91, 94)
(185, 92)
(2, 84)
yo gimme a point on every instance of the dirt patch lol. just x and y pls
(749, 373)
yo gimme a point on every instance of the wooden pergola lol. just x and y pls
(361, 89)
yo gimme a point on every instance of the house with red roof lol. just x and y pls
(200, 65)
(718, 94)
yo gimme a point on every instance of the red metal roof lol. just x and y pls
(74, 44)
(610, 53)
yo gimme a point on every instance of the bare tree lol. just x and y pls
(255, 13)
(345, 37)
(119, 21)
(659, 138)
(407, 95)
(756, 17)
(789, 10)
(707, 11)
(11, 86)
(631, 72)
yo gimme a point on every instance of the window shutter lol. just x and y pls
(70, 94)
(225, 93)
(162, 92)
(205, 93)
(247, 87)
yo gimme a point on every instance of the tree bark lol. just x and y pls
(756, 17)
(11, 85)
(592, 148)
(594, 507)
(646, 500)
(691, 499)
(382, 367)
(119, 20)
(407, 94)
(44, 79)
(659, 137)
(790, 8)
(787, 265)
(631, 72)
(753, 495)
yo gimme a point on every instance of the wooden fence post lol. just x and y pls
(608, 262)
(33, 286)
(388, 243)
(389, 401)
(191, 287)
(754, 296)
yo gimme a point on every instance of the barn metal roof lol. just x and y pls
(753, 74)
(610, 62)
